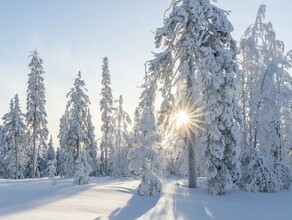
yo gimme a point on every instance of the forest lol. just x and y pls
(209, 107)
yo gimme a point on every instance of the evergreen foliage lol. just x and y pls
(36, 114)
(106, 108)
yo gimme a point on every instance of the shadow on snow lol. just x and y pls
(34, 193)
(136, 207)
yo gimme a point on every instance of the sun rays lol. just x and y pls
(185, 120)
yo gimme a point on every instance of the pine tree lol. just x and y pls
(199, 55)
(106, 108)
(14, 140)
(36, 113)
(83, 169)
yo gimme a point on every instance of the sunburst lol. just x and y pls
(189, 118)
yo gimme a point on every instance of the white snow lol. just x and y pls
(108, 198)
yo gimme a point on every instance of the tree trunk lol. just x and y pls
(105, 162)
(192, 162)
(16, 154)
(34, 148)
(190, 138)
(78, 149)
(119, 148)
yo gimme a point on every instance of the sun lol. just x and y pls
(181, 118)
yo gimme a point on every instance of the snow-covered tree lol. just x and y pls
(222, 137)
(199, 55)
(66, 157)
(74, 133)
(91, 147)
(14, 142)
(58, 161)
(82, 169)
(49, 155)
(266, 105)
(78, 109)
(135, 128)
(143, 157)
(52, 171)
(106, 108)
(36, 113)
(118, 158)
(1, 151)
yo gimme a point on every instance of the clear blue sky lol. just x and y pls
(73, 35)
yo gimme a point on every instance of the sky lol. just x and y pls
(73, 35)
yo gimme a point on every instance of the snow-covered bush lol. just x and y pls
(82, 169)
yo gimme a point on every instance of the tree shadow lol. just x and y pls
(136, 207)
(191, 204)
(34, 193)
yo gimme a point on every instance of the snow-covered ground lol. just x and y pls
(107, 198)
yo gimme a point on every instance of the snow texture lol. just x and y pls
(115, 199)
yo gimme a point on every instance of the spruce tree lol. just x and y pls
(36, 114)
(66, 155)
(74, 134)
(199, 55)
(49, 155)
(106, 108)
(118, 158)
(52, 171)
(78, 108)
(14, 141)
(143, 157)
(91, 147)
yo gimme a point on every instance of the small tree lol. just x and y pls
(52, 171)
(14, 140)
(144, 158)
(82, 169)
(47, 156)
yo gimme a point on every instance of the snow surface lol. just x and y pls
(108, 198)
